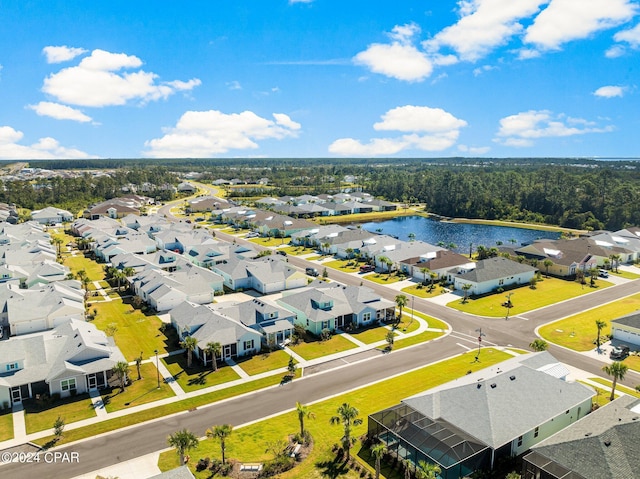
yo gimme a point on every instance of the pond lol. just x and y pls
(459, 234)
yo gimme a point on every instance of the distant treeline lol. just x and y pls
(574, 193)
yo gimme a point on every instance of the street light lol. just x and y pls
(480, 334)
(157, 368)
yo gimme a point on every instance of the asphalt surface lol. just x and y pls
(325, 380)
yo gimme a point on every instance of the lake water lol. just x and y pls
(460, 234)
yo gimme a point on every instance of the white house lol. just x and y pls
(51, 216)
(626, 329)
(492, 273)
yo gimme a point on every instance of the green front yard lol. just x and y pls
(40, 416)
(579, 331)
(316, 349)
(136, 332)
(548, 291)
(197, 376)
(248, 444)
(95, 271)
(6, 425)
(371, 335)
(298, 250)
(261, 363)
(138, 391)
(270, 241)
(384, 278)
(346, 265)
(424, 291)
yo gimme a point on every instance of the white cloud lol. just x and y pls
(522, 128)
(61, 54)
(94, 82)
(403, 62)
(609, 91)
(566, 20)
(632, 36)
(483, 26)
(419, 119)
(429, 129)
(615, 51)
(234, 85)
(45, 148)
(201, 134)
(483, 69)
(474, 150)
(59, 112)
(400, 59)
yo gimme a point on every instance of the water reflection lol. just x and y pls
(460, 234)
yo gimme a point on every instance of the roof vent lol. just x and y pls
(479, 386)
(607, 443)
(634, 418)
(512, 377)
(587, 434)
(493, 385)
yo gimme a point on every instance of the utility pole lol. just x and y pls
(508, 305)
(480, 335)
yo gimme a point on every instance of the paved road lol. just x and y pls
(518, 332)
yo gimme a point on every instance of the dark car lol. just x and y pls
(311, 271)
(281, 252)
(367, 268)
(619, 352)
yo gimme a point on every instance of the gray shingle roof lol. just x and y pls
(632, 320)
(495, 268)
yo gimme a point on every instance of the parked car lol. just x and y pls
(603, 273)
(281, 252)
(312, 271)
(619, 352)
(253, 234)
(367, 268)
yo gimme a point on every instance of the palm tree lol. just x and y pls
(303, 412)
(121, 370)
(411, 236)
(547, 264)
(377, 452)
(183, 440)
(348, 417)
(466, 287)
(349, 252)
(426, 470)
(385, 261)
(433, 277)
(138, 363)
(189, 343)
(539, 345)
(482, 252)
(214, 349)
(401, 302)
(600, 324)
(617, 371)
(424, 272)
(58, 243)
(220, 432)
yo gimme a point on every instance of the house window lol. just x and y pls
(501, 282)
(248, 345)
(307, 321)
(12, 366)
(520, 441)
(536, 432)
(366, 317)
(325, 324)
(68, 384)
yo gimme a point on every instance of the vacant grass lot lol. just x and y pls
(579, 331)
(548, 291)
(249, 443)
(197, 376)
(136, 332)
(346, 265)
(6, 425)
(139, 391)
(261, 363)
(270, 241)
(95, 271)
(72, 409)
(315, 349)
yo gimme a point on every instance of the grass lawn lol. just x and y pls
(95, 271)
(548, 291)
(423, 291)
(298, 250)
(270, 241)
(316, 349)
(625, 274)
(384, 278)
(136, 332)
(314, 258)
(602, 395)
(408, 324)
(371, 335)
(579, 331)
(346, 265)
(197, 376)
(432, 322)
(366, 217)
(249, 443)
(138, 392)
(619, 387)
(70, 410)
(261, 363)
(6, 425)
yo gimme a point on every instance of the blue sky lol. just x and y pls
(319, 78)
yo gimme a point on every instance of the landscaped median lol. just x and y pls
(547, 291)
(248, 444)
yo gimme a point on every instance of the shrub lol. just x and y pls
(277, 466)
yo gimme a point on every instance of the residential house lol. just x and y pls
(206, 203)
(493, 273)
(440, 262)
(51, 216)
(208, 326)
(266, 275)
(626, 330)
(567, 255)
(73, 358)
(603, 445)
(333, 306)
(474, 421)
